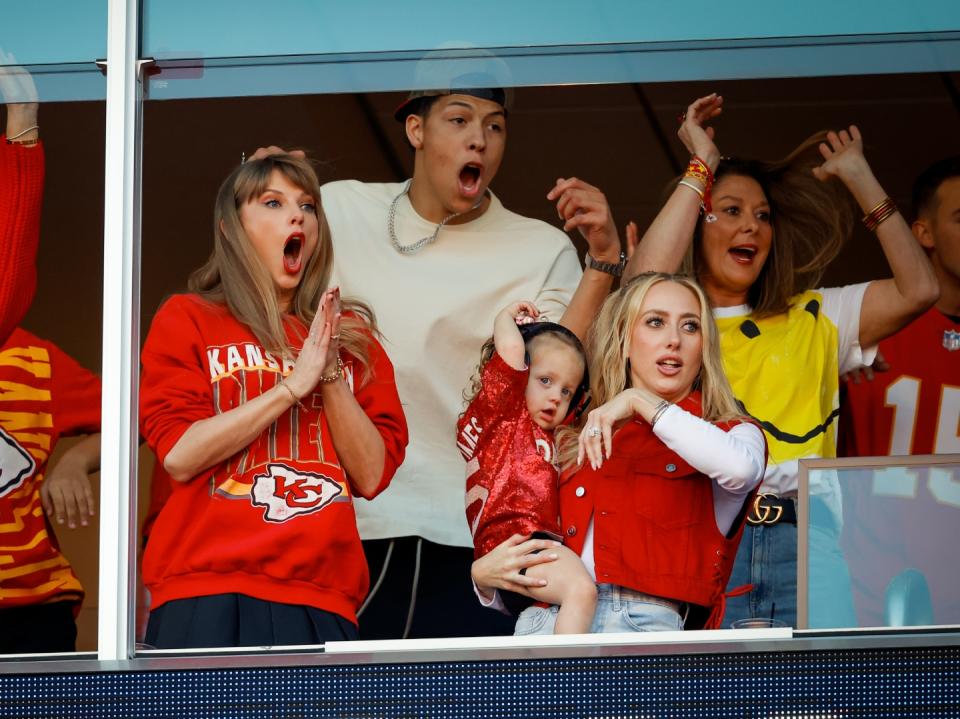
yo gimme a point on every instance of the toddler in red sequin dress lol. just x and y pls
(532, 378)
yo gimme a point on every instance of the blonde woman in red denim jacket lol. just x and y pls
(658, 475)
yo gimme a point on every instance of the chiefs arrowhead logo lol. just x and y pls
(16, 464)
(286, 492)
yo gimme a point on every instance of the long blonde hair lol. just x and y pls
(608, 347)
(811, 222)
(234, 275)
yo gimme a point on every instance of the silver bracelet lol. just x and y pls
(687, 183)
(658, 412)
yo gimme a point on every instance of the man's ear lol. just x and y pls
(923, 232)
(414, 127)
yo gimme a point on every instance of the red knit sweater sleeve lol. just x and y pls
(21, 194)
(174, 386)
(381, 403)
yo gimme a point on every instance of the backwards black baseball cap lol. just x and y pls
(458, 71)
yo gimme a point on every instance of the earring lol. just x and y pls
(710, 217)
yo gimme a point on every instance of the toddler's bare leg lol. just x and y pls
(570, 586)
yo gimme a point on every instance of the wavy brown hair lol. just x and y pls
(235, 277)
(608, 347)
(811, 221)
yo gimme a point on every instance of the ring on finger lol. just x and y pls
(593, 431)
(335, 337)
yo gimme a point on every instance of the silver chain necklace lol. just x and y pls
(423, 241)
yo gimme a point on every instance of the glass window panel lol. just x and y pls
(59, 396)
(45, 32)
(619, 136)
(374, 26)
(571, 64)
(899, 534)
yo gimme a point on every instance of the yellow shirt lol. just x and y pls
(785, 372)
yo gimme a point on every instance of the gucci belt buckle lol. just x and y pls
(761, 513)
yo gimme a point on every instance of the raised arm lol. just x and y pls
(584, 207)
(507, 338)
(888, 305)
(664, 244)
(21, 193)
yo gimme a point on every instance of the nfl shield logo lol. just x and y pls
(951, 340)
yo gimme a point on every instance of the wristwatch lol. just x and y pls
(611, 268)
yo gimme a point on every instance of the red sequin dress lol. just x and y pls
(511, 476)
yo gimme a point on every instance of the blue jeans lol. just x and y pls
(618, 610)
(767, 558)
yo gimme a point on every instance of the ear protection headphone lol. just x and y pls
(581, 397)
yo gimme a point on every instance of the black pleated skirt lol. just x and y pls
(236, 620)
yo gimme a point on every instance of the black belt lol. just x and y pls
(770, 509)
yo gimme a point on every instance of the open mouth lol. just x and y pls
(293, 253)
(469, 179)
(744, 253)
(669, 365)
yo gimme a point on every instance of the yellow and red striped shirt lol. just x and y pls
(44, 394)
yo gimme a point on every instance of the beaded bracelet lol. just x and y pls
(699, 170)
(325, 378)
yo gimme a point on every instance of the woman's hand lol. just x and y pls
(694, 133)
(20, 95)
(318, 357)
(596, 438)
(265, 152)
(500, 567)
(843, 157)
(584, 207)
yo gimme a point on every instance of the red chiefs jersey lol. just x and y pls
(901, 518)
(275, 521)
(44, 394)
(511, 476)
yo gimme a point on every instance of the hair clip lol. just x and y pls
(710, 217)
(243, 157)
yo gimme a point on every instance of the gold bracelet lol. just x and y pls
(293, 394)
(26, 143)
(883, 210)
(337, 374)
(24, 132)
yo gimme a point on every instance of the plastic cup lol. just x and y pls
(758, 623)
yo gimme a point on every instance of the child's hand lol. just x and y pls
(523, 313)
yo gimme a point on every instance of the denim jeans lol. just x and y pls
(767, 558)
(618, 610)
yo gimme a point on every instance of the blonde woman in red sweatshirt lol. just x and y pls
(272, 405)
